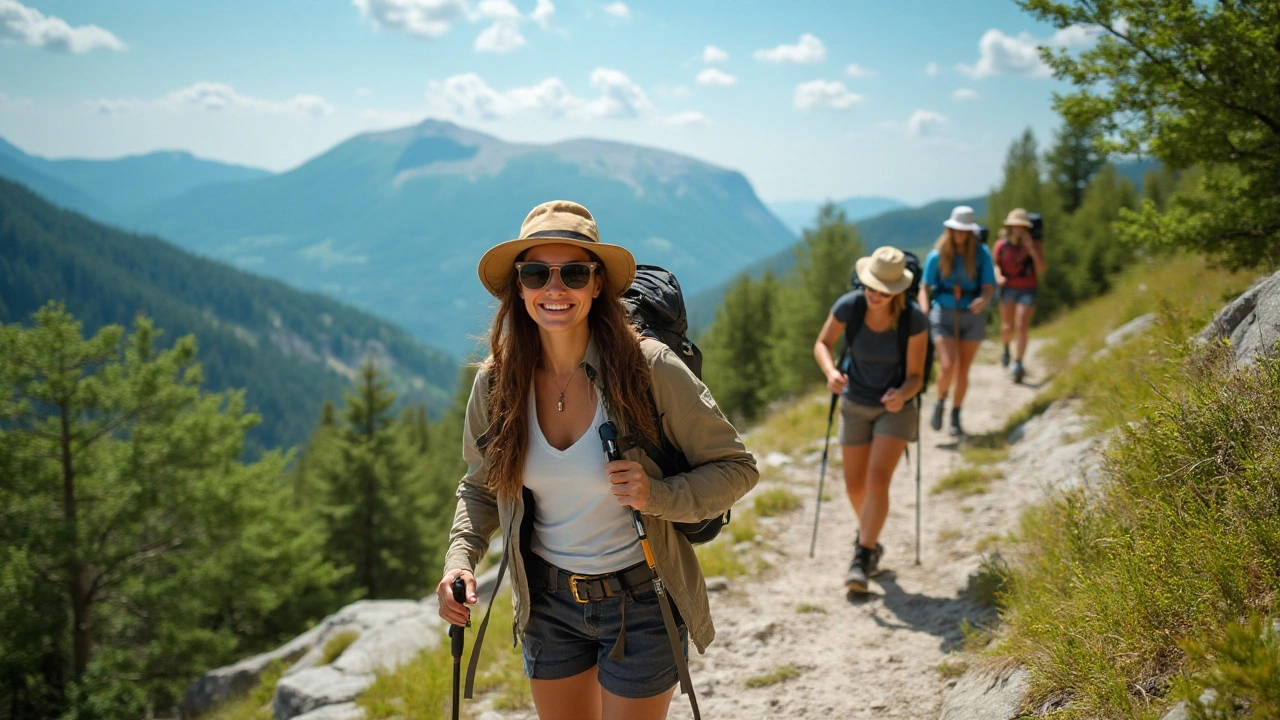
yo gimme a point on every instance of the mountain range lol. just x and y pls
(799, 214)
(289, 349)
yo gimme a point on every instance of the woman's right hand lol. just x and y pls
(836, 381)
(453, 612)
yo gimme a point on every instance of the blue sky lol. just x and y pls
(915, 100)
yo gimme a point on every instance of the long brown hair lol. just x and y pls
(947, 252)
(516, 350)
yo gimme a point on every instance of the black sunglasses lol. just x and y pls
(574, 275)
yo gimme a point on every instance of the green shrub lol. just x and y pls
(743, 526)
(776, 501)
(718, 558)
(256, 704)
(991, 581)
(1242, 666)
(1184, 537)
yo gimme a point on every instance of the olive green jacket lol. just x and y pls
(723, 471)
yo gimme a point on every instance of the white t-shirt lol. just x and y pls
(578, 524)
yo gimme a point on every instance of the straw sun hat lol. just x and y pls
(885, 270)
(559, 222)
(1018, 216)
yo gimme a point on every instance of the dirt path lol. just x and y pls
(874, 657)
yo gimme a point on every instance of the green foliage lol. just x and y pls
(1194, 85)
(775, 501)
(1073, 162)
(1241, 664)
(779, 674)
(738, 345)
(991, 581)
(1107, 585)
(260, 335)
(337, 645)
(137, 550)
(718, 558)
(966, 481)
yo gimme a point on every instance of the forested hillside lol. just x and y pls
(289, 349)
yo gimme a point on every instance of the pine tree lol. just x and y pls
(824, 264)
(376, 507)
(737, 346)
(1073, 161)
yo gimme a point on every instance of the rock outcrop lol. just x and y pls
(986, 695)
(1251, 322)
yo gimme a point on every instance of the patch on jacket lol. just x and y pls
(707, 399)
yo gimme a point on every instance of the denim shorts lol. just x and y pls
(942, 322)
(565, 637)
(859, 423)
(1022, 296)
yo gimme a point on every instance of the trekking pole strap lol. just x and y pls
(677, 651)
(484, 624)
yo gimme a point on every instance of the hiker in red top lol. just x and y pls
(1019, 262)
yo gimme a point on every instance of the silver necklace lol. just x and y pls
(560, 401)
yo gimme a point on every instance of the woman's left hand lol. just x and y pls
(630, 483)
(977, 305)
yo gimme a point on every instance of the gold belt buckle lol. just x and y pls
(573, 588)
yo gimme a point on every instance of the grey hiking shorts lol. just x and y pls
(942, 322)
(860, 423)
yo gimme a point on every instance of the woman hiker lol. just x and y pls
(1019, 263)
(959, 278)
(565, 359)
(877, 419)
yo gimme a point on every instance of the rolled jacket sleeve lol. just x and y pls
(723, 471)
(476, 517)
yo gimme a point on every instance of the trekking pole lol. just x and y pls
(459, 588)
(919, 459)
(609, 439)
(822, 474)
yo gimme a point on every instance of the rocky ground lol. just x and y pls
(874, 656)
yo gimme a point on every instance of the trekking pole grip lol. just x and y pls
(459, 588)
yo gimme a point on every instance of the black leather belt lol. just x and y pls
(593, 588)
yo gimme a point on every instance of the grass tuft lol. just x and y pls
(719, 558)
(966, 481)
(776, 501)
(256, 704)
(773, 677)
(948, 669)
(793, 428)
(337, 645)
(805, 608)
(991, 581)
(743, 527)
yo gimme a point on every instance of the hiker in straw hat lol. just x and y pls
(959, 280)
(1019, 263)
(876, 418)
(564, 360)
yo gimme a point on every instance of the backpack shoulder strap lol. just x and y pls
(856, 318)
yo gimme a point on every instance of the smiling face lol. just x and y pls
(554, 307)
(875, 298)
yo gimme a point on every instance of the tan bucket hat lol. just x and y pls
(885, 270)
(559, 222)
(1018, 216)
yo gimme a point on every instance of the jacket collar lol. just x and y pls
(591, 364)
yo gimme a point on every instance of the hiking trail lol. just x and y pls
(873, 656)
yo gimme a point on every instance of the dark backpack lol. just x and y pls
(656, 306)
(904, 326)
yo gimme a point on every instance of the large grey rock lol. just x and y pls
(1136, 326)
(986, 695)
(1251, 322)
(359, 617)
(1057, 449)
(343, 711)
(226, 683)
(389, 646)
(302, 692)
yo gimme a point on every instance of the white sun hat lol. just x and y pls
(962, 218)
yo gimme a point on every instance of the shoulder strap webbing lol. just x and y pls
(484, 625)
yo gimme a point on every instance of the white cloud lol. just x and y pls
(926, 123)
(469, 96)
(713, 54)
(497, 10)
(544, 14)
(618, 10)
(670, 91)
(932, 69)
(830, 94)
(1076, 35)
(688, 118)
(420, 18)
(858, 71)
(28, 26)
(501, 37)
(716, 76)
(999, 54)
(962, 94)
(809, 49)
(216, 97)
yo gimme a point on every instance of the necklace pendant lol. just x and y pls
(560, 404)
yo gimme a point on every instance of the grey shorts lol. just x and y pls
(859, 423)
(1025, 296)
(565, 637)
(942, 322)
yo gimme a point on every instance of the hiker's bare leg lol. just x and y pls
(620, 708)
(855, 474)
(948, 358)
(569, 698)
(1025, 313)
(1007, 312)
(968, 351)
(885, 451)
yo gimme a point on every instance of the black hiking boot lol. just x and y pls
(856, 579)
(956, 430)
(1004, 357)
(935, 420)
(873, 568)
(1018, 372)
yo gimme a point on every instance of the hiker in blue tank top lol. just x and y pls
(877, 419)
(959, 280)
